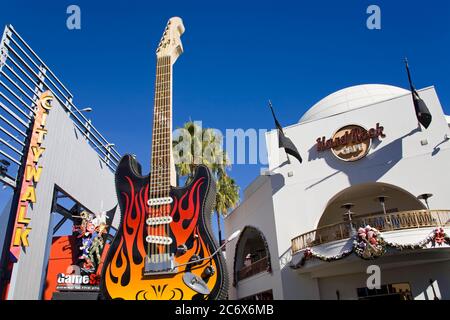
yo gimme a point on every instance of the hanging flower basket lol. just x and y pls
(368, 243)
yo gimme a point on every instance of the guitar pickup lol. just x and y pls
(154, 221)
(159, 201)
(159, 240)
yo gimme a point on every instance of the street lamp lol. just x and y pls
(382, 200)
(88, 109)
(349, 214)
(87, 126)
(425, 197)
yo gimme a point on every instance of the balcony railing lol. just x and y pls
(388, 222)
(255, 268)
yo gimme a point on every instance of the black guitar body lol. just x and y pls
(123, 274)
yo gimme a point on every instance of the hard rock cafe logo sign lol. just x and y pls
(350, 143)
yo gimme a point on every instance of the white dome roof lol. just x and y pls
(352, 98)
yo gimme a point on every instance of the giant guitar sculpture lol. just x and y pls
(164, 248)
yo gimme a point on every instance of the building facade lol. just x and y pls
(372, 191)
(60, 171)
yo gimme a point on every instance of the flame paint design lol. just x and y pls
(123, 276)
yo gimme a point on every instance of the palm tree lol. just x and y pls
(204, 146)
(227, 197)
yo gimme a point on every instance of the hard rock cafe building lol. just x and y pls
(373, 190)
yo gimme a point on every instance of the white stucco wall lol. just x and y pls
(420, 285)
(255, 211)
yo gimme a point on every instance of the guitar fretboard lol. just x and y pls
(162, 128)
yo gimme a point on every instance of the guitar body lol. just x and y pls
(122, 275)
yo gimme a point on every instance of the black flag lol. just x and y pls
(283, 141)
(422, 112)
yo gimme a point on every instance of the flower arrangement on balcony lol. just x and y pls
(440, 237)
(369, 244)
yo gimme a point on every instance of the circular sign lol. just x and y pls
(351, 143)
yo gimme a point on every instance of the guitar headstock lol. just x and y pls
(170, 44)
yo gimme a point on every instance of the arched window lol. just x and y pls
(252, 254)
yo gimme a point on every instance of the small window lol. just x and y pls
(265, 295)
(395, 291)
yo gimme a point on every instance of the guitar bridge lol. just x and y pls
(160, 264)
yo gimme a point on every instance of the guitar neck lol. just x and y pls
(162, 166)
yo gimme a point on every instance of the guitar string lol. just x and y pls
(163, 151)
(157, 162)
(161, 155)
(154, 148)
(156, 157)
(171, 164)
(149, 230)
(160, 158)
(167, 125)
(151, 165)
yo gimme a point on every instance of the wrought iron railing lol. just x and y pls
(255, 268)
(388, 222)
(23, 76)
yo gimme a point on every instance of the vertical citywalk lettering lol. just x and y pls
(31, 174)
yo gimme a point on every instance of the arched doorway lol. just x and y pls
(366, 202)
(252, 254)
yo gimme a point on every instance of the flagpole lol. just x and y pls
(279, 128)
(283, 141)
(409, 75)
(423, 114)
(411, 86)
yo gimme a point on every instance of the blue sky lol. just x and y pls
(237, 55)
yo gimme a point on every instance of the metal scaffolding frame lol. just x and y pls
(23, 77)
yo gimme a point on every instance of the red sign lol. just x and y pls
(350, 143)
